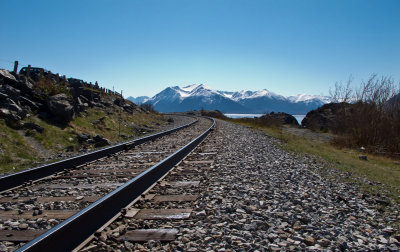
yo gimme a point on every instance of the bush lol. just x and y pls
(47, 87)
(374, 119)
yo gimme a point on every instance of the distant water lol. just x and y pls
(299, 118)
(243, 115)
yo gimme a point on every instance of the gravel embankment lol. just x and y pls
(258, 197)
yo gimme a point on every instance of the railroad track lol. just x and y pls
(60, 211)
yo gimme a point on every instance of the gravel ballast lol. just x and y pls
(259, 197)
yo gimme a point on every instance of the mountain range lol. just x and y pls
(199, 96)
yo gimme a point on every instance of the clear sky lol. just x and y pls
(143, 46)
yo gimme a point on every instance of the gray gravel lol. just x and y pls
(259, 197)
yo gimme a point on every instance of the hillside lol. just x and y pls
(44, 117)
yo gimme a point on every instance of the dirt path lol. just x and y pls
(43, 152)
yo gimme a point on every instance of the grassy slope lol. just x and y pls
(383, 171)
(17, 153)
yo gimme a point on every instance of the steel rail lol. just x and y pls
(73, 231)
(16, 179)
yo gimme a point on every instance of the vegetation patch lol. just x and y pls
(46, 87)
(16, 154)
(382, 173)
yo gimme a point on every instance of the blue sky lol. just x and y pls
(143, 46)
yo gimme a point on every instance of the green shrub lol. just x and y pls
(47, 88)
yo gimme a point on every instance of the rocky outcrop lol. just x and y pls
(10, 108)
(24, 85)
(281, 118)
(13, 105)
(61, 106)
(6, 77)
(20, 95)
(10, 91)
(326, 117)
(31, 104)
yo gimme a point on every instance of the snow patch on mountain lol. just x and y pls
(237, 96)
(305, 98)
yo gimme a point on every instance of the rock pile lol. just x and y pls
(20, 96)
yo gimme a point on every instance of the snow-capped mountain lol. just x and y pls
(199, 96)
(138, 100)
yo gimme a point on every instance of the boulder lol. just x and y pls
(33, 126)
(82, 137)
(326, 117)
(7, 77)
(24, 85)
(26, 102)
(81, 106)
(23, 113)
(128, 108)
(10, 115)
(11, 105)
(100, 141)
(106, 104)
(96, 104)
(4, 113)
(12, 92)
(89, 94)
(60, 105)
(281, 118)
(83, 99)
(43, 115)
(119, 102)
